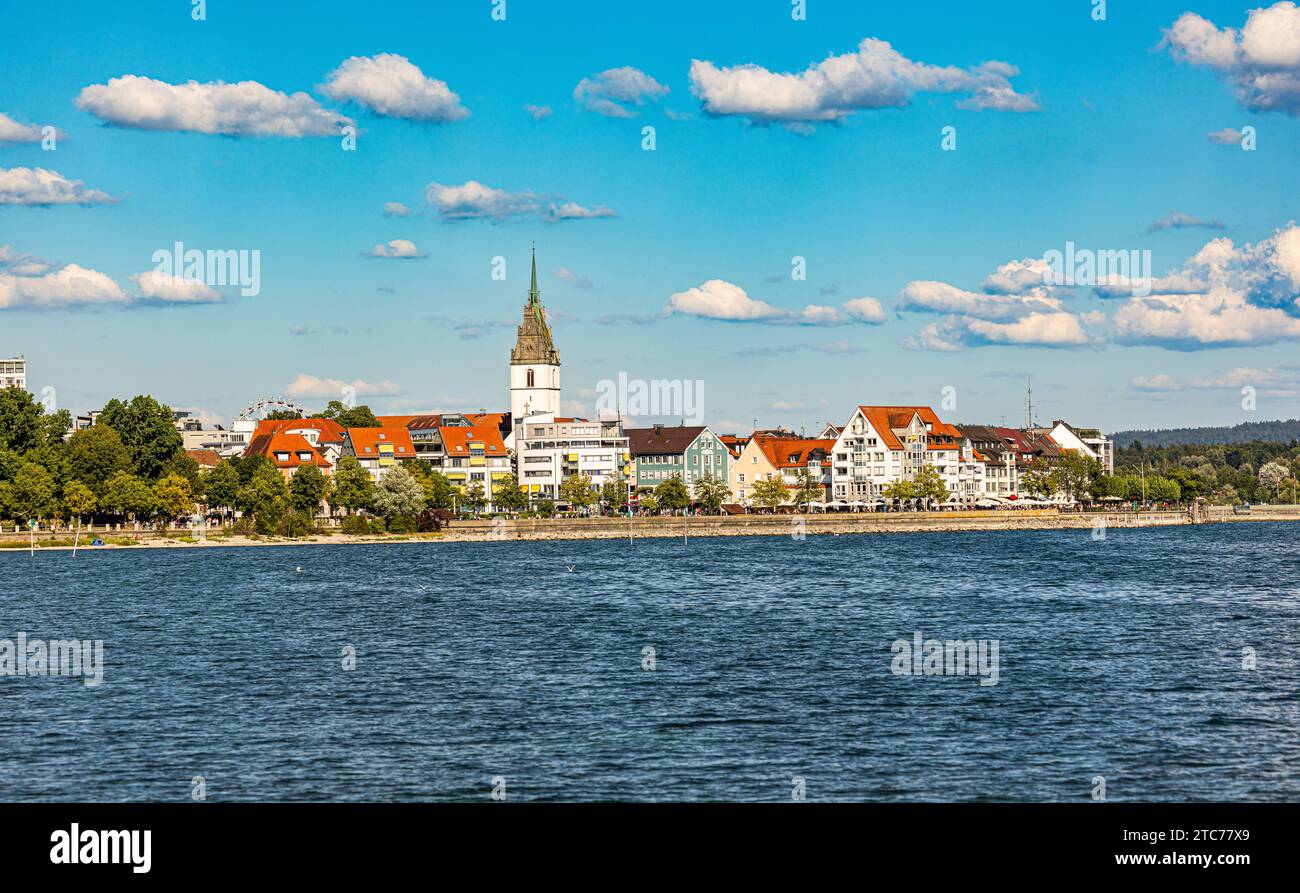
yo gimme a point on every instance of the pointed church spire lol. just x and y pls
(533, 294)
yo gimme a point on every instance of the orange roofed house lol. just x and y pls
(783, 455)
(378, 449)
(883, 444)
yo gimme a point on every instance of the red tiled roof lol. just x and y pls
(330, 430)
(791, 452)
(456, 441)
(294, 445)
(205, 458)
(366, 442)
(886, 418)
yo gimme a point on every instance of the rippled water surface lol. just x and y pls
(1120, 658)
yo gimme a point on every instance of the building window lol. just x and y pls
(530, 378)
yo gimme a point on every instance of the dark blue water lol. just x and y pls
(1120, 658)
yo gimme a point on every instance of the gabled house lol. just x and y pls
(287, 451)
(690, 451)
(782, 455)
(883, 444)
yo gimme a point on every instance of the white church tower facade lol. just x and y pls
(534, 362)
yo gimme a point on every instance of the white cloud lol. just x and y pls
(473, 200)
(1228, 136)
(38, 186)
(539, 112)
(614, 91)
(70, 286)
(305, 385)
(246, 108)
(568, 277)
(719, 299)
(1177, 220)
(875, 76)
(398, 249)
(159, 286)
(18, 264)
(396, 209)
(13, 132)
(390, 85)
(1247, 296)
(929, 296)
(1271, 382)
(1261, 61)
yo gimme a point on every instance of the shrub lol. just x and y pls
(356, 525)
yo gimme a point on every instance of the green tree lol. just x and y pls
(95, 454)
(221, 485)
(648, 503)
(902, 490)
(508, 496)
(807, 487)
(929, 485)
(33, 494)
(613, 494)
(281, 415)
(712, 492)
(307, 489)
(1036, 479)
(474, 496)
(399, 494)
(354, 488)
(265, 497)
(349, 417)
(78, 500)
(769, 492)
(577, 492)
(173, 497)
(148, 432)
(1073, 474)
(128, 496)
(1162, 489)
(20, 420)
(672, 493)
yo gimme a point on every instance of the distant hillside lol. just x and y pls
(1246, 432)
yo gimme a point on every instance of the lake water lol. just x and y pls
(1120, 658)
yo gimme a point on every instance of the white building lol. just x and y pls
(534, 364)
(13, 373)
(550, 450)
(1088, 441)
(884, 444)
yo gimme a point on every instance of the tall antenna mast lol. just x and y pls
(1029, 404)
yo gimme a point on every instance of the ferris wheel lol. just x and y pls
(261, 408)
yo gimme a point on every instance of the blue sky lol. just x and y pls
(1103, 133)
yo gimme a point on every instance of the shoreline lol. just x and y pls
(566, 529)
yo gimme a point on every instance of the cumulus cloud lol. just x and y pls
(617, 92)
(396, 209)
(1261, 61)
(1247, 295)
(876, 76)
(568, 277)
(1228, 136)
(38, 186)
(159, 286)
(397, 249)
(722, 300)
(539, 112)
(13, 132)
(70, 286)
(1176, 220)
(1015, 307)
(305, 385)
(390, 85)
(18, 264)
(473, 200)
(246, 108)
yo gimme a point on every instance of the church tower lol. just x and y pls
(534, 362)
